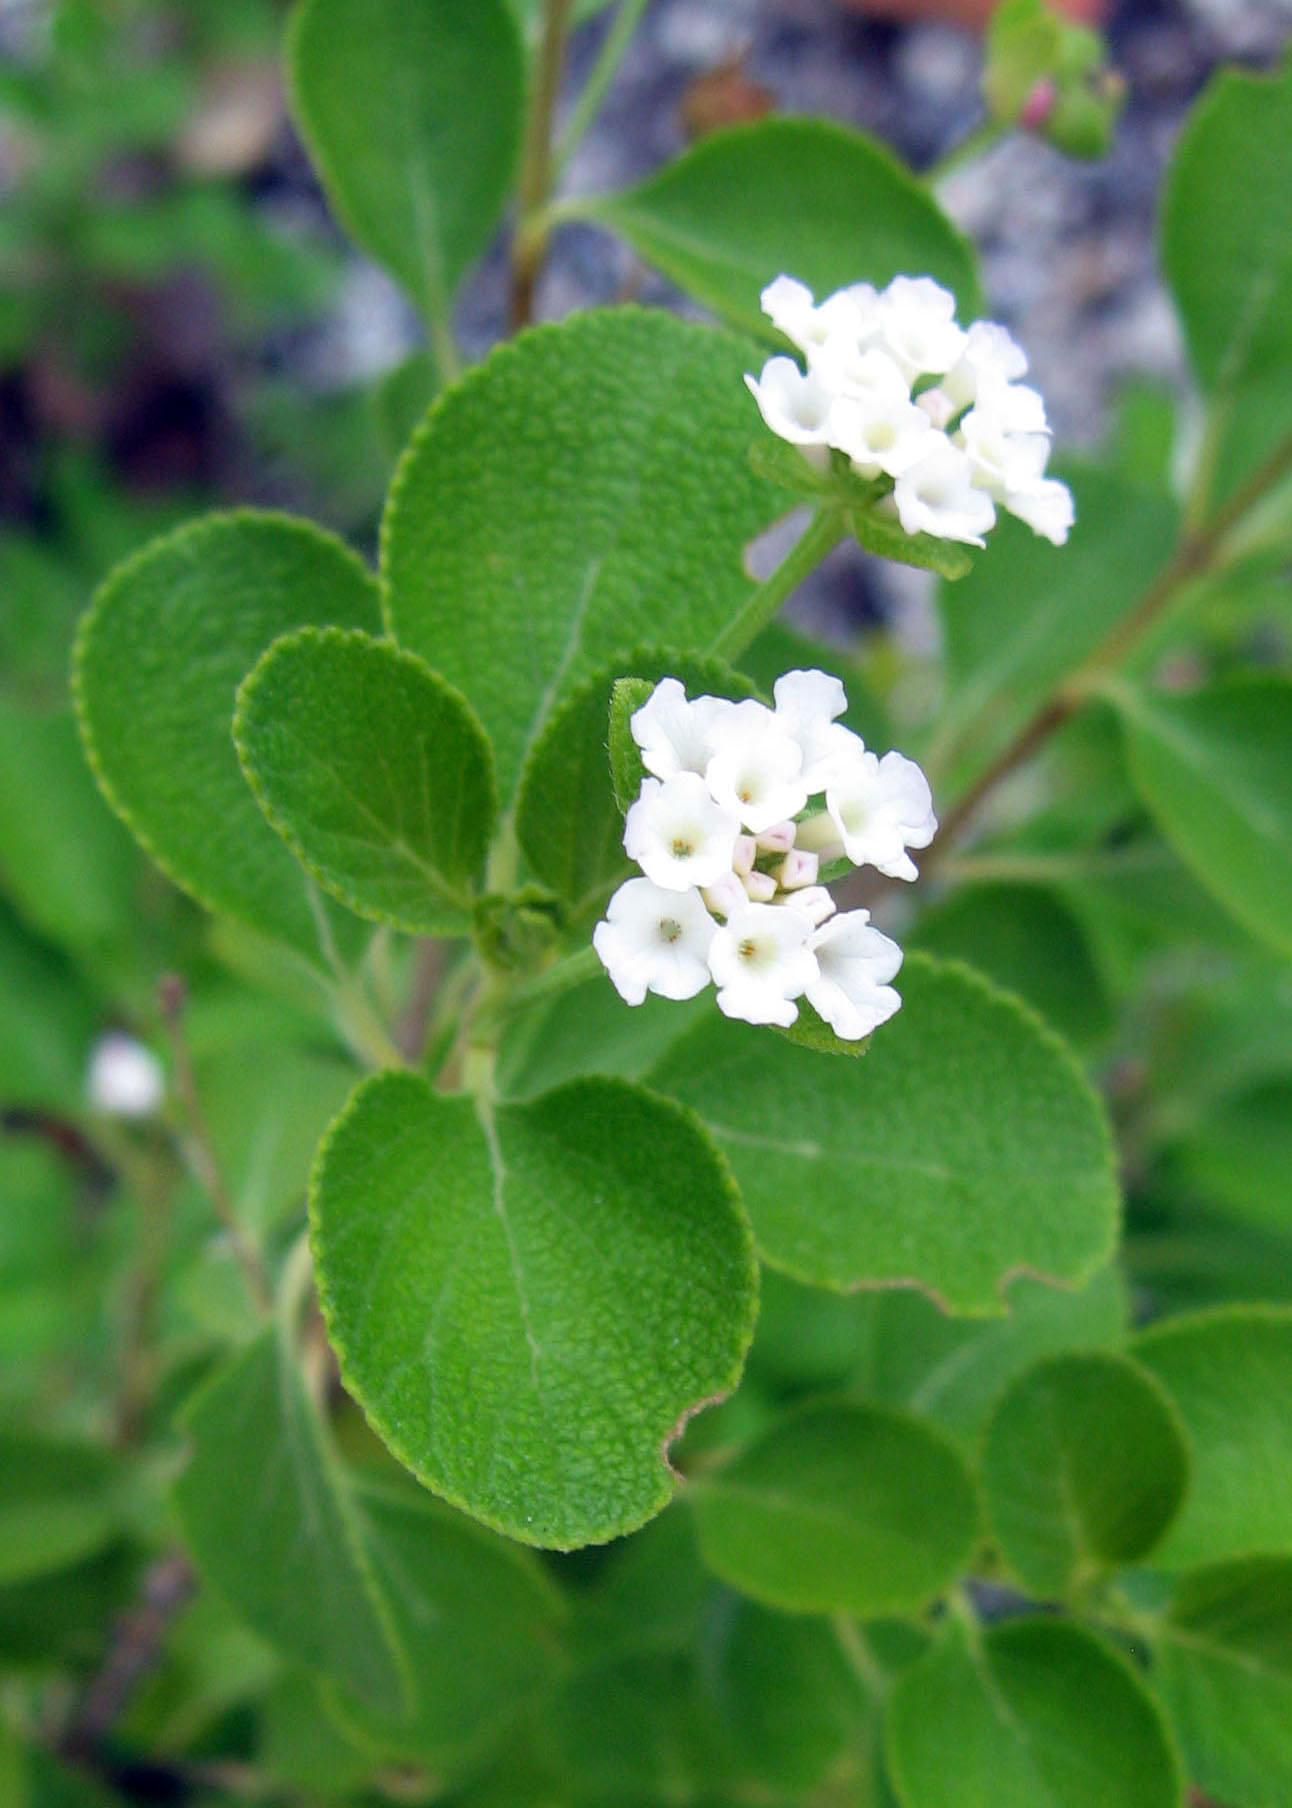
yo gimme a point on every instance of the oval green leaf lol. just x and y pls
(477, 1618)
(374, 771)
(1085, 1466)
(170, 636)
(313, 1597)
(1037, 1714)
(1227, 254)
(529, 1301)
(840, 1508)
(1226, 1677)
(967, 1146)
(62, 1502)
(587, 488)
(805, 197)
(1215, 768)
(412, 112)
(1230, 1374)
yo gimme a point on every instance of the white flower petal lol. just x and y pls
(761, 962)
(653, 940)
(880, 808)
(756, 771)
(795, 404)
(854, 964)
(937, 495)
(676, 734)
(678, 834)
(1046, 506)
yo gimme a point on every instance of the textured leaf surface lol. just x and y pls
(412, 112)
(1226, 1677)
(567, 819)
(171, 635)
(1085, 1466)
(1227, 252)
(1029, 613)
(583, 491)
(528, 1303)
(804, 196)
(268, 1516)
(1215, 768)
(1229, 1372)
(1038, 1715)
(967, 1145)
(374, 771)
(840, 1508)
(476, 1617)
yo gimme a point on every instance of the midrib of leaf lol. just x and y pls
(489, 1128)
(1251, 1663)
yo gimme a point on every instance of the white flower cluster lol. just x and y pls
(908, 395)
(731, 843)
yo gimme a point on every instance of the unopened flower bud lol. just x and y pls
(797, 869)
(725, 895)
(760, 888)
(746, 852)
(779, 839)
(124, 1079)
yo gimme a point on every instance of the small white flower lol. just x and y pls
(848, 313)
(880, 435)
(761, 963)
(124, 1079)
(806, 704)
(1046, 506)
(918, 327)
(653, 940)
(854, 964)
(676, 734)
(757, 770)
(937, 495)
(990, 358)
(1002, 462)
(678, 834)
(880, 808)
(795, 404)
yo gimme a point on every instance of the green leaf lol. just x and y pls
(1215, 768)
(840, 1508)
(401, 399)
(1240, 1155)
(1084, 1467)
(586, 1030)
(412, 112)
(953, 1370)
(922, 1163)
(568, 820)
(581, 492)
(805, 197)
(636, 1730)
(1034, 1714)
(65, 861)
(1028, 614)
(887, 540)
(627, 695)
(1226, 1678)
(1230, 1373)
(61, 1503)
(48, 1019)
(283, 1543)
(374, 771)
(787, 1696)
(1026, 939)
(169, 638)
(527, 1302)
(1227, 253)
(477, 1618)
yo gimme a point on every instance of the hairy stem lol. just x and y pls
(529, 246)
(822, 534)
(1197, 553)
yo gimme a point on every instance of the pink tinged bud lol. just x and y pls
(797, 869)
(1039, 105)
(820, 835)
(746, 853)
(814, 902)
(726, 895)
(779, 839)
(760, 888)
